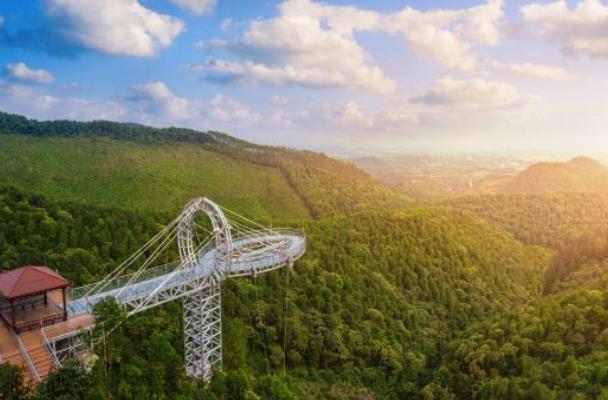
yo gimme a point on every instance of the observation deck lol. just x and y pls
(251, 255)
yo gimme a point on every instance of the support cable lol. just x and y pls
(158, 250)
(261, 326)
(286, 315)
(147, 300)
(101, 285)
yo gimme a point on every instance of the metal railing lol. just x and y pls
(271, 251)
(121, 281)
(28, 360)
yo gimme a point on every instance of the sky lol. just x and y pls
(432, 75)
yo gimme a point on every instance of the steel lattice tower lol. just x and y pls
(196, 279)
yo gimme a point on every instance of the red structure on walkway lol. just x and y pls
(32, 297)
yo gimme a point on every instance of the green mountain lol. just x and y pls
(552, 219)
(579, 174)
(555, 350)
(136, 167)
(480, 297)
(368, 309)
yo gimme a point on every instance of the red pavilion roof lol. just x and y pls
(29, 280)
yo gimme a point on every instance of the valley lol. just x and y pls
(471, 296)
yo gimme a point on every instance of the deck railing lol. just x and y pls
(121, 281)
(28, 360)
(151, 273)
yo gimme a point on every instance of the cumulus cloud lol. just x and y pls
(349, 116)
(226, 24)
(314, 44)
(224, 109)
(448, 36)
(279, 100)
(122, 27)
(26, 100)
(535, 70)
(474, 93)
(157, 104)
(196, 6)
(582, 29)
(22, 72)
(297, 47)
(155, 98)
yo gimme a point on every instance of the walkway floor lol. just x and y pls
(9, 353)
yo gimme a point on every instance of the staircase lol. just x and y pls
(38, 353)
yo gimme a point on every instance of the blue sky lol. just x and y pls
(439, 75)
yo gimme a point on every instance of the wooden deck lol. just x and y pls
(9, 353)
(38, 315)
(75, 324)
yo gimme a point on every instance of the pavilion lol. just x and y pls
(32, 297)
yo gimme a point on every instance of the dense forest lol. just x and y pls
(357, 303)
(552, 219)
(494, 296)
(580, 174)
(136, 167)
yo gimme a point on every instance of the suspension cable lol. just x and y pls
(149, 297)
(168, 278)
(285, 316)
(158, 250)
(261, 326)
(99, 286)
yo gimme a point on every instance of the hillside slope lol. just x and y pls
(555, 350)
(369, 307)
(551, 219)
(134, 167)
(157, 177)
(578, 174)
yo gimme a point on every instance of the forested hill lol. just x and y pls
(551, 219)
(367, 312)
(580, 174)
(132, 166)
(17, 124)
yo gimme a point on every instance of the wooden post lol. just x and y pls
(46, 300)
(13, 313)
(65, 309)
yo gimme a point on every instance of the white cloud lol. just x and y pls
(22, 72)
(583, 29)
(313, 44)
(474, 93)
(350, 117)
(347, 115)
(448, 36)
(155, 98)
(296, 47)
(223, 109)
(26, 100)
(156, 103)
(279, 100)
(226, 24)
(535, 70)
(196, 6)
(250, 73)
(114, 26)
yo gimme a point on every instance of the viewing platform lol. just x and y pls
(31, 298)
(44, 324)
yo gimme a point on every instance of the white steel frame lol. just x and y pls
(202, 309)
(203, 332)
(198, 278)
